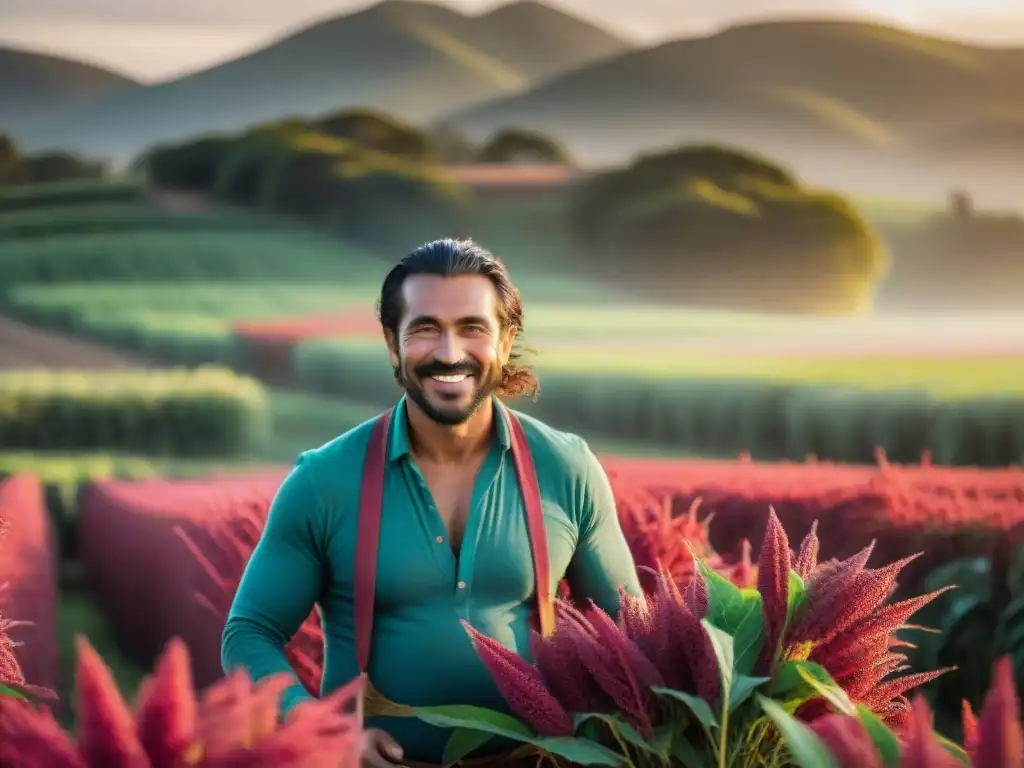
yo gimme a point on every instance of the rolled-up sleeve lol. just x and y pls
(279, 587)
(602, 562)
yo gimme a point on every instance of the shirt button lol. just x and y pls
(439, 539)
(462, 585)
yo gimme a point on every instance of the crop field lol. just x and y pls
(191, 538)
(163, 363)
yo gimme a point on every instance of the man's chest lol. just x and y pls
(451, 493)
(416, 562)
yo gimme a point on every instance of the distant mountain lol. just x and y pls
(813, 93)
(414, 59)
(35, 85)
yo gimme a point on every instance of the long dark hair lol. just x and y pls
(452, 258)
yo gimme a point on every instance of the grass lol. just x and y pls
(950, 376)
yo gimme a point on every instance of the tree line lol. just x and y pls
(702, 224)
(18, 167)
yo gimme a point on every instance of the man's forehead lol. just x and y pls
(448, 296)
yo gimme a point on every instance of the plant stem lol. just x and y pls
(723, 762)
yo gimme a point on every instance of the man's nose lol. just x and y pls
(449, 350)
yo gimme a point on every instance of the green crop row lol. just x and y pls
(207, 411)
(119, 217)
(239, 255)
(220, 302)
(722, 416)
(21, 198)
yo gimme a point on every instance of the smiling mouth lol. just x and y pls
(450, 379)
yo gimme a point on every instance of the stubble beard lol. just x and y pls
(451, 415)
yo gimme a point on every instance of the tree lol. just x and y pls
(453, 147)
(375, 198)
(713, 226)
(58, 166)
(193, 165)
(11, 169)
(516, 145)
(371, 129)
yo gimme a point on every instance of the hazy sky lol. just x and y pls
(155, 39)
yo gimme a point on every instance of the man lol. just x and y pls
(455, 540)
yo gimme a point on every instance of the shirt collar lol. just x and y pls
(398, 440)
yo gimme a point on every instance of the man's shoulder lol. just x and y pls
(554, 448)
(339, 457)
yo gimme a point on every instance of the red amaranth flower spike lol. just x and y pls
(848, 741)
(829, 598)
(970, 728)
(622, 670)
(742, 573)
(884, 621)
(521, 686)
(635, 615)
(106, 729)
(564, 672)
(165, 710)
(34, 739)
(920, 748)
(807, 558)
(999, 741)
(773, 584)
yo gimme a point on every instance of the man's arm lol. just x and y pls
(602, 562)
(279, 587)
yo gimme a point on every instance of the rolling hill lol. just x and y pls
(416, 60)
(35, 85)
(807, 92)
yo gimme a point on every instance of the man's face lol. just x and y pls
(451, 346)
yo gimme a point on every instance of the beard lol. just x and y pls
(449, 411)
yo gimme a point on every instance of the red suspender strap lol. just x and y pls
(371, 496)
(527, 475)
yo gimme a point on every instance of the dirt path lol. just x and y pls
(22, 346)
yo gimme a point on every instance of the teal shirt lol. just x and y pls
(420, 654)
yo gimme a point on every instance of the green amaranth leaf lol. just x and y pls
(462, 742)
(789, 683)
(580, 751)
(882, 737)
(697, 705)
(804, 745)
(742, 688)
(5, 691)
(721, 643)
(663, 735)
(495, 723)
(683, 751)
(476, 719)
(748, 636)
(797, 596)
(958, 752)
(728, 605)
(619, 726)
(829, 691)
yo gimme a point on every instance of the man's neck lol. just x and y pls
(442, 444)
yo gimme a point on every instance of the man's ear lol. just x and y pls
(508, 338)
(389, 339)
